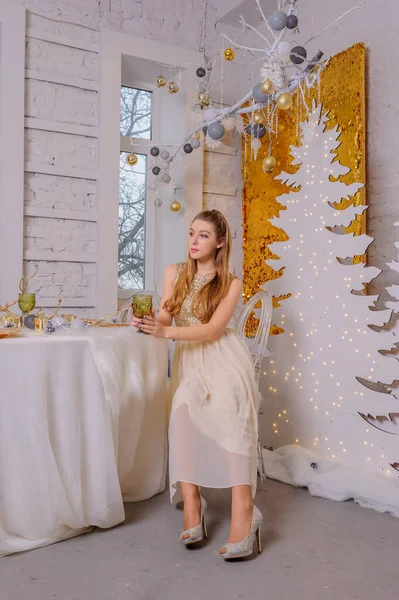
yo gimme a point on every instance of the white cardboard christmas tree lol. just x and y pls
(312, 394)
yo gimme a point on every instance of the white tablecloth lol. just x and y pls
(82, 428)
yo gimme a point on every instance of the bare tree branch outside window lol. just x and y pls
(136, 122)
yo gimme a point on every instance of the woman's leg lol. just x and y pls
(241, 513)
(192, 506)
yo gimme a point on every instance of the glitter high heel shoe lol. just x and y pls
(245, 548)
(198, 533)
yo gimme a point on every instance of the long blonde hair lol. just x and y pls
(216, 289)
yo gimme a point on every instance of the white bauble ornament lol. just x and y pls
(229, 123)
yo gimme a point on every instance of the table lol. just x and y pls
(82, 429)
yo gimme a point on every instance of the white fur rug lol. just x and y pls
(328, 478)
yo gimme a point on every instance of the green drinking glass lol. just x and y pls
(27, 302)
(141, 306)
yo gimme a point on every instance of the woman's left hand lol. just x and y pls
(152, 326)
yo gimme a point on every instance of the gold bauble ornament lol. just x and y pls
(267, 86)
(203, 98)
(269, 162)
(175, 206)
(132, 159)
(258, 117)
(229, 54)
(161, 81)
(173, 87)
(284, 101)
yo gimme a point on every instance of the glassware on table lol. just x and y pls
(26, 303)
(141, 306)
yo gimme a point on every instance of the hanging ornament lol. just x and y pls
(258, 95)
(165, 178)
(284, 101)
(258, 117)
(132, 159)
(267, 86)
(216, 130)
(173, 87)
(165, 155)
(269, 162)
(210, 114)
(201, 72)
(175, 206)
(256, 130)
(256, 145)
(292, 22)
(284, 52)
(156, 170)
(298, 55)
(229, 123)
(161, 81)
(278, 20)
(164, 165)
(154, 151)
(187, 148)
(195, 143)
(202, 86)
(157, 201)
(229, 54)
(203, 98)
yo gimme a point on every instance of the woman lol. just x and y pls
(213, 421)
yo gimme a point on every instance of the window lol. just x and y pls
(131, 242)
(136, 113)
(136, 122)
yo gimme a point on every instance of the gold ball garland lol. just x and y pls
(132, 159)
(284, 101)
(173, 87)
(175, 206)
(203, 98)
(258, 117)
(267, 86)
(161, 81)
(229, 54)
(269, 162)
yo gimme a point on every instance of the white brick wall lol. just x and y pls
(180, 22)
(55, 102)
(46, 56)
(49, 191)
(60, 149)
(59, 235)
(61, 280)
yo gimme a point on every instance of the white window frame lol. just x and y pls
(12, 118)
(113, 46)
(143, 146)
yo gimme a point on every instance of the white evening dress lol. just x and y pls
(213, 427)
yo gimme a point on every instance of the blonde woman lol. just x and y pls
(213, 421)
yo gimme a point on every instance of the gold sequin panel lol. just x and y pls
(342, 94)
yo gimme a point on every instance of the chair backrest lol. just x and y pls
(258, 344)
(125, 313)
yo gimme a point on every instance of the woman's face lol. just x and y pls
(203, 242)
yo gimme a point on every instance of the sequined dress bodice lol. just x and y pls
(185, 317)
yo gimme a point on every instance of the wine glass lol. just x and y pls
(26, 303)
(141, 305)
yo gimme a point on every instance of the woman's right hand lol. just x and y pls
(135, 321)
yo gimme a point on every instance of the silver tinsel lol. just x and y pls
(276, 72)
